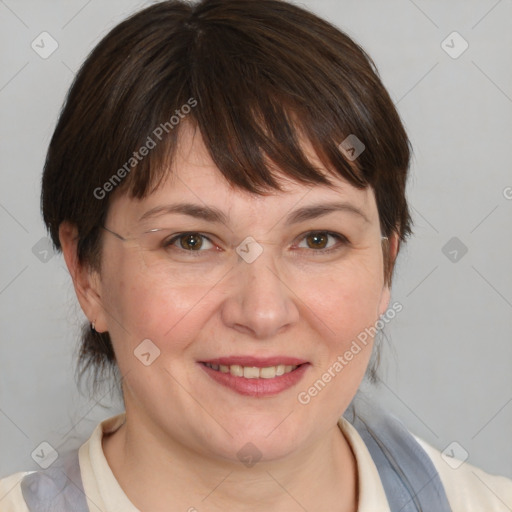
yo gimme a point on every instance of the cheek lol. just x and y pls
(343, 308)
(347, 298)
(149, 309)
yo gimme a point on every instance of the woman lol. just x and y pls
(227, 185)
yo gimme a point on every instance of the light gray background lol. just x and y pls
(447, 370)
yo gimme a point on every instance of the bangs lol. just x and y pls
(255, 112)
(253, 149)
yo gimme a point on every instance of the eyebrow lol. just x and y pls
(209, 213)
(212, 214)
(315, 211)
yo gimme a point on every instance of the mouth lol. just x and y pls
(256, 377)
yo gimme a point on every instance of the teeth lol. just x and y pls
(267, 373)
(253, 372)
(236, 370)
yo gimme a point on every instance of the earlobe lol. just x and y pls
(86, 281)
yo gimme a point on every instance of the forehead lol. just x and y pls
(194, 178)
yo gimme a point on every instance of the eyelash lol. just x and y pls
(342, 240)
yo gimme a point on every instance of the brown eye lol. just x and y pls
(317, 240)
(323, 242)
(191, 241)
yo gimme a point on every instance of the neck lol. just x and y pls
(322, 476)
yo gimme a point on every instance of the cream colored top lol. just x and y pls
(468, 489)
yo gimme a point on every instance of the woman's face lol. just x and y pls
(300, 294)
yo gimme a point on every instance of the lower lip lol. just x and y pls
(257, 387)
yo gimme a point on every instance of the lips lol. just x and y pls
(253, 376)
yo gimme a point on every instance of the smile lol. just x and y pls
(265, 380)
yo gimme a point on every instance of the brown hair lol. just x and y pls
(253, 77)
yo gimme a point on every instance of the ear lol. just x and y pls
(86, 281)
(390, 252)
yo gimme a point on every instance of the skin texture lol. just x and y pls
(183, 430)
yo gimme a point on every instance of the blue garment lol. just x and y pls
(56, 489)
(408, 476)
(410, 480)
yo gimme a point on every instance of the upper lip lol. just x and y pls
(259, 362)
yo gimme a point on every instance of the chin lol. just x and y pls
(265, 439)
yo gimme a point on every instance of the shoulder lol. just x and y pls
(60, 486)
(11, 498)
(468, 488)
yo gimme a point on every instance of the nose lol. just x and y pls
(259, 302)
